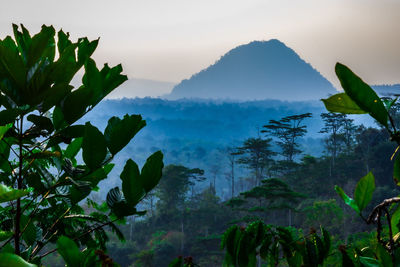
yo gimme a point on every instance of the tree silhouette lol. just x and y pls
(288, 130)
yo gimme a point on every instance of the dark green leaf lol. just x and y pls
(119, 132)
(63, 41)
(4, 235)
(4, 129)
(41, 122)
(73, 148)
(94, 147)
(58, 118)
(364, 190)
(76, 104)
(70, 252)
(152, 171)
(395, 219)
(42, 46)
(9, 194)
(362, 94)
(8, 260)
(346, 260)
(29, 235)
(132, 185)
(8, 116)
(369, 262)
(383, 256)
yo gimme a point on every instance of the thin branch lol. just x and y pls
(82, 235)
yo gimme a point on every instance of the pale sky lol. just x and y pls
(169, 40)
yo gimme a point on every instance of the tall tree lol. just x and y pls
(288, 130)
(231, 155)
(256, 155)
(173, 190)
(340, 130)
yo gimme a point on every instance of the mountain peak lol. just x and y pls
(257, 70)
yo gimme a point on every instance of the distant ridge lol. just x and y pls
(387, 90)
(255, 71)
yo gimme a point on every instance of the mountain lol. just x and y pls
(255, 71)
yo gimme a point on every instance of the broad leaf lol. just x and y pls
(5, 235)
(152, 171)
(342, 103)
(362, 94)
(94, 147)
(30, 233)
(132, 184)
(9, 194)
(58, 118)
(73, 148)
(9, 259)
(8, 116)
(348, 200)
(383, 256)
(364, 190)
(394, 220)
(369, 262)
(70, 252)
(41, 122)
(119, 132)
(4, 129)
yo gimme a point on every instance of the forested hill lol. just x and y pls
(258, 70)
(195, 133)
(212, 121)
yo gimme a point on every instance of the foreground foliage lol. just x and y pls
(51, 161)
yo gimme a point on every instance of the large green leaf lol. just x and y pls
(152, 171)
(369, 262)
(132, 185)
(362, 94)
(8, 116)
(119, 132)
(364, 190)
(383, 256)
(348, 200)
(12, 260)
(73, 148)
(93, 81)
(70, 252)
(42, 46)
(41, 122)
(342, 103)
(9, 194)
(58, 118)
(395, 220)
(94, 147)
(4, 235)
(30, 233)
(76, 104)
(4, 129)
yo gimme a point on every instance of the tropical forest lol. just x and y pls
(256, 159)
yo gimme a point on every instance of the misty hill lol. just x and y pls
(255, 71)
(195, 133)
(387, 90)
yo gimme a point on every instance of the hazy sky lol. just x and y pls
(170, 40)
